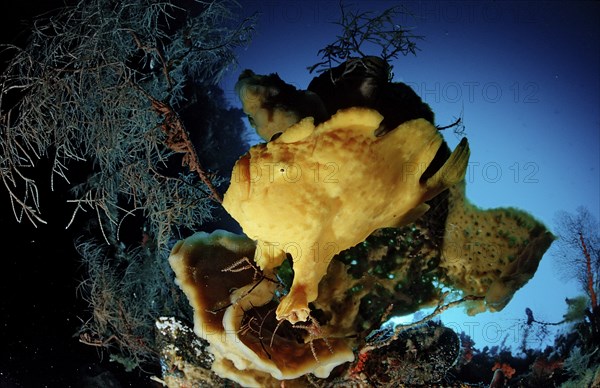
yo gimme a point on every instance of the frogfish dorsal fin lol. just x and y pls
(452, 172)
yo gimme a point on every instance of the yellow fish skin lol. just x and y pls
(315, 191)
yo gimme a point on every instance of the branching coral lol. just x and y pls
(94, 100)
(361, 31)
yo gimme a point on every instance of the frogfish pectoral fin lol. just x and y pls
(294, 306)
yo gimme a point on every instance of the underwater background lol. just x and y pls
(524, 78)
(523, 75)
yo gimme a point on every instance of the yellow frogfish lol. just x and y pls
(316, 191)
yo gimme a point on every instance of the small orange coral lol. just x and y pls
(508, 370)
(360, 365)
(545, 368)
